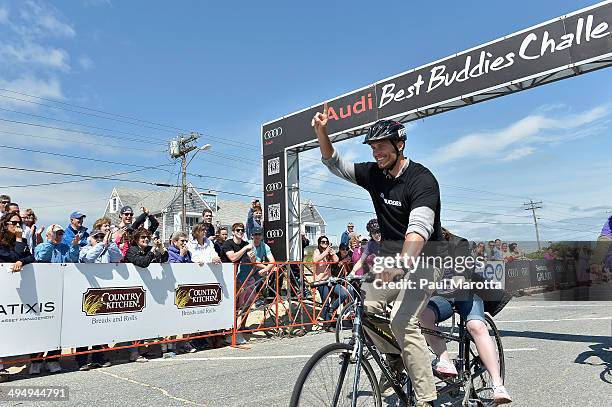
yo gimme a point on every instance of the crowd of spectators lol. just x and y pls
(137, 241)
(23, 241)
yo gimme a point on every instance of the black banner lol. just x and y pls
(517, 275)
(541, 273)
(524, 57)
(275, 226)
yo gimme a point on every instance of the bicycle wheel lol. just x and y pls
(482, 383)
(344, 324)
(328, 375)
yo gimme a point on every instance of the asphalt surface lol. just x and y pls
(557, 354)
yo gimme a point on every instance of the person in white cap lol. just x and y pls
(54, 250)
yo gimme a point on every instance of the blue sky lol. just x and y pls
(223, 69)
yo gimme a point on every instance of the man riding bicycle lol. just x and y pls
(406, 198)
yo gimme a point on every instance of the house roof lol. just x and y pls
(156, 201)
(231, 212)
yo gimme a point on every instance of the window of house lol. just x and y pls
(311, 233)
(114, 204)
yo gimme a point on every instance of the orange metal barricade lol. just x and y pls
(281, 299)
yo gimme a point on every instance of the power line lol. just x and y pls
(77, 175)
(70, 122)
(80, 142)
(80, 131)
(219, 139)
(73, 156)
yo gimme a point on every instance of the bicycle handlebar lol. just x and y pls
(335, 280)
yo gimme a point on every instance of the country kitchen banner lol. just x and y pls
(47, 306)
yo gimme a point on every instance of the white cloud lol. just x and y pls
(30, 54)
(518, 153)
(43, 20)
(522, 136)
(46, 88)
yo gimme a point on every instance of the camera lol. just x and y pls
(156, 234)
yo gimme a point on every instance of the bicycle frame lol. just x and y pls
(361, 337)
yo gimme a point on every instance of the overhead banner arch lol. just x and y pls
(561, 48)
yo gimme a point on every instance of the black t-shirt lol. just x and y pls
(394, 198)
(230, 246)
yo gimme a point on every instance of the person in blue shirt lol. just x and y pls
(54, 250)
(76, 227)
(346, 236)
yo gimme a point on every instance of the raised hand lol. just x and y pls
(319, 121)
(77, 239)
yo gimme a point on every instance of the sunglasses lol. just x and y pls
(257, 234)
(144, 238)
(239, 230)
(13, 222)
(128, 214)
(99, 237)
(183, 240)
(324, 241)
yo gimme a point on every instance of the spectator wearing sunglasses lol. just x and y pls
(13, 248)
(238, 251)
(128, 225)
(178, 251)
(101, 248)
(141, 254)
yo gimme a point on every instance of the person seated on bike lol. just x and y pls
(472, 309)
(324, 255)
(406, 198)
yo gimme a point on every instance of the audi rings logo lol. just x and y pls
(270, 134)
(274, 233)
(273, 186)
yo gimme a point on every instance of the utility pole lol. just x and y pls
(532, 206)
(180, 148)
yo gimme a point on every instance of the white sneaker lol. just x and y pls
(35, 368)
(240, 340)
(54, 367)
(500, 394)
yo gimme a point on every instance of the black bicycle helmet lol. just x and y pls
(372, 226)
(385, 130)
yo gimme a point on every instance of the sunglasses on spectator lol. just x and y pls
(183, 240)
(239, 230)
(13, 222)
(257, 234)
(144, 238)
(128, 214)
(99, 237)
(324, 241)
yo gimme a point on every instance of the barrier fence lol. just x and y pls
(60, 306)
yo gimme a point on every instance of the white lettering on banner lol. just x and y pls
(49, 298)
(531, 48)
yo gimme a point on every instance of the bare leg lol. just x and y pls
(437, 344)
(486, 348)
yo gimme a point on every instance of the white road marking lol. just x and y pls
(552, 320)
(508, 350)
(555, 306)
(234, 358)
(163, 391)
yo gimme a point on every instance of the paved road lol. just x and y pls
(543, 340)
